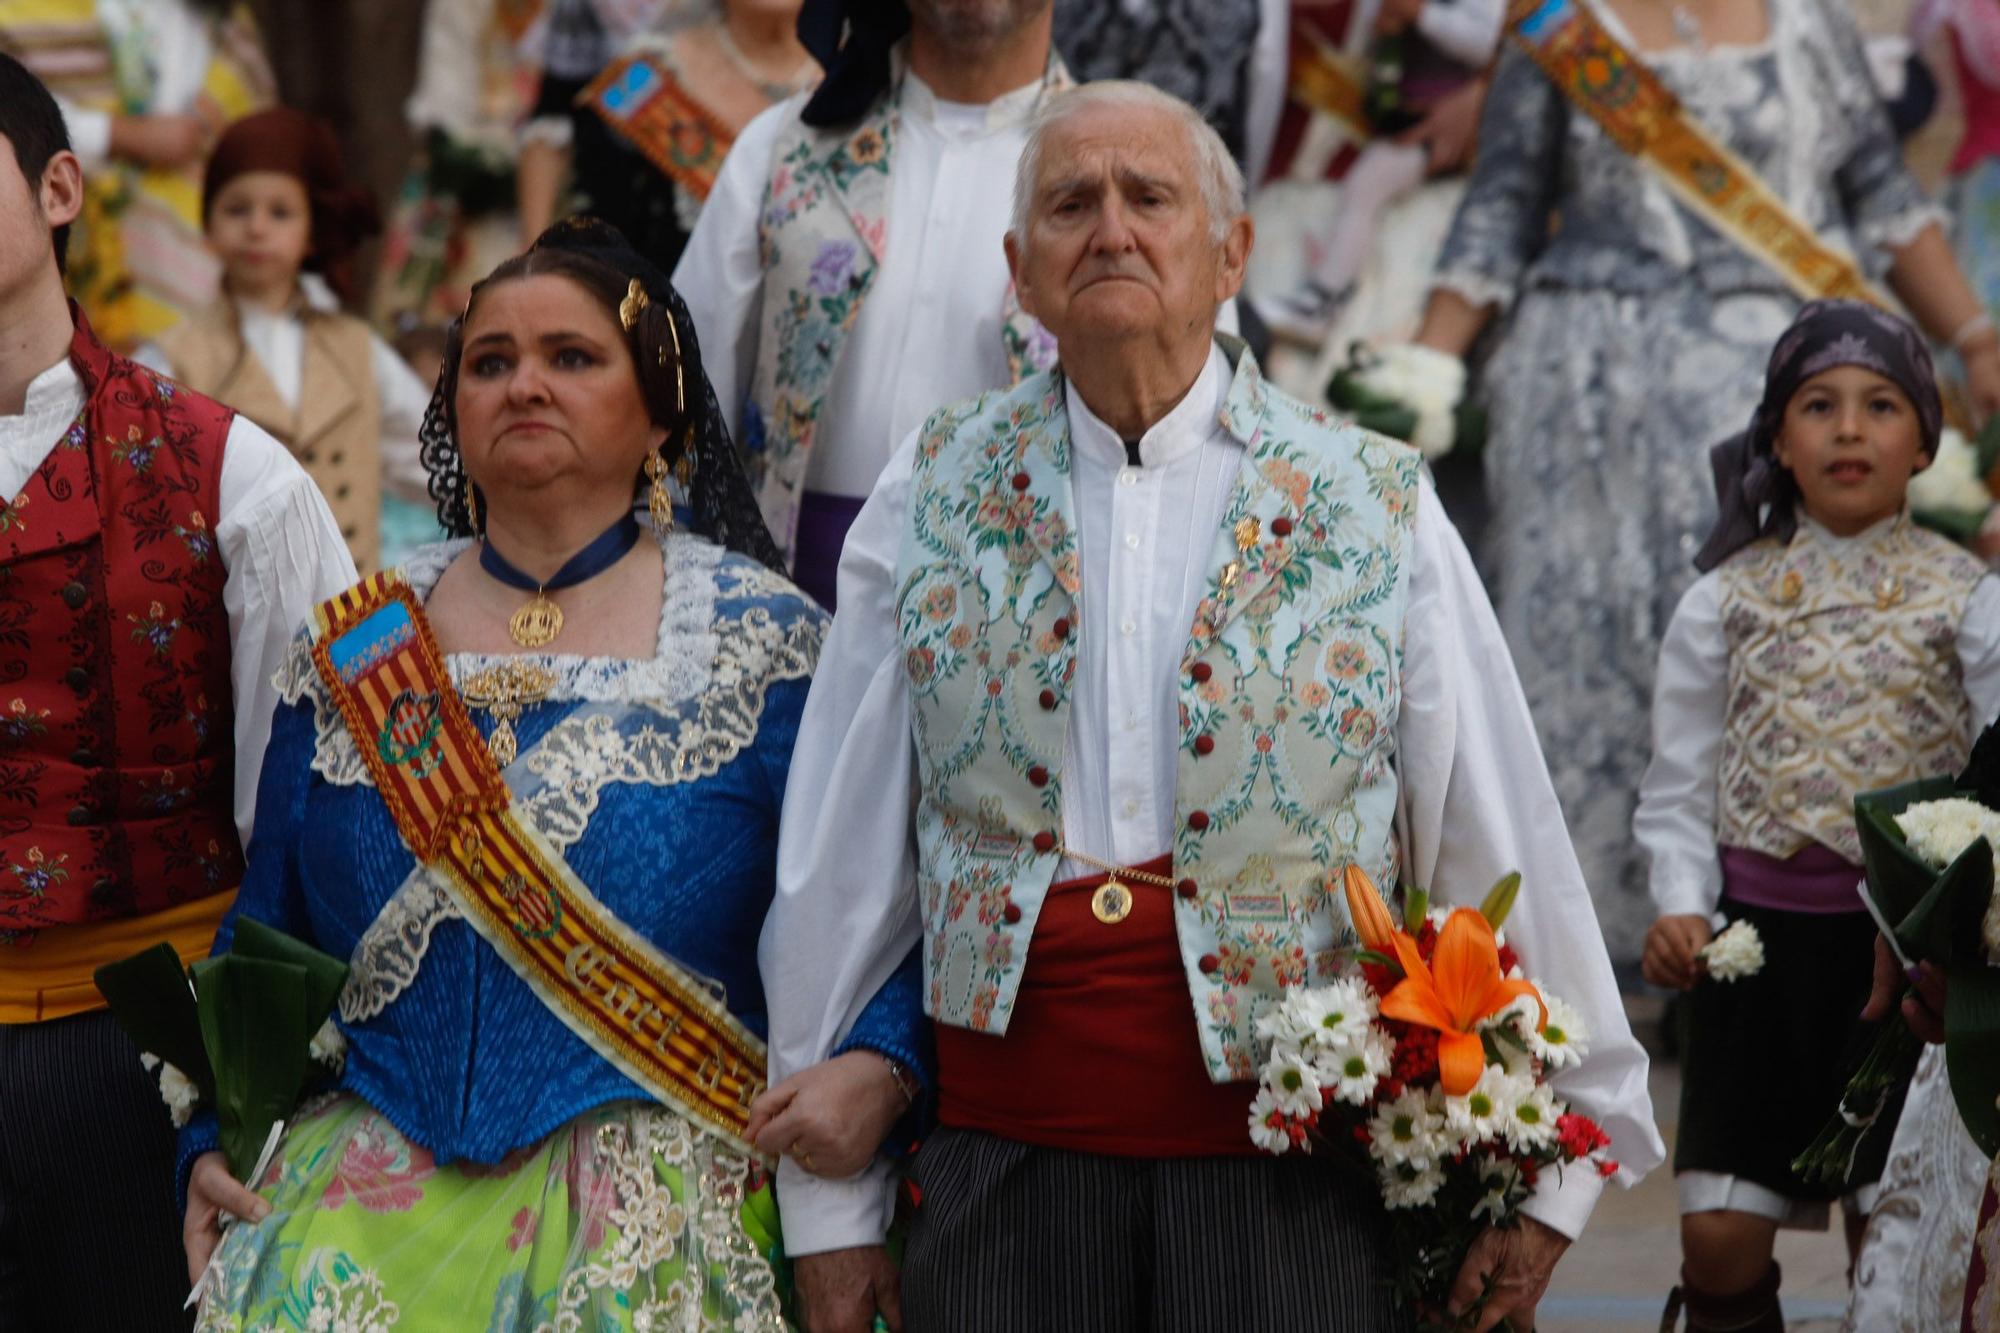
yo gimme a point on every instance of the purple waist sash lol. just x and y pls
(823, 523)
(1813, 879)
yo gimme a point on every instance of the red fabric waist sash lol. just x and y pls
(1101, 1054)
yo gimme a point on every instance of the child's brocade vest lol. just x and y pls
(1843, 677)
(1290, 686)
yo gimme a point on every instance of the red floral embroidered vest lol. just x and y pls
(116, 736)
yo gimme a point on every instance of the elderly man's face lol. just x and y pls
(1118, 241)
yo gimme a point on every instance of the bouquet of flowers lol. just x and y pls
(1427, 1068)
(240, 1032)
(1413, 393)
(1927, 851)
(1950, 496)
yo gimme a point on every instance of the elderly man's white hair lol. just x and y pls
(1221, 180)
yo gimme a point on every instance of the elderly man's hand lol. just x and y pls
(840, 1291)
(1923, 1011)
(831, 1118)
(1517, 1262)
(1449, 131)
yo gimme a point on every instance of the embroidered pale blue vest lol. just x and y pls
(1292, 673)
(822, 234)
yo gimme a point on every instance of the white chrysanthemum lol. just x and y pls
(1409, 1131)
(1952, 482)
(1410, 1186)
(1267, 1123)
(329, 1046)
(1937, 831)
(1501, 1177)
(1478, 1116)
(1532, 1126)
(178, 1091)
(1428, 382)
(1563, 1040)
(1736, 953)
(1351, 1069)
(148, 1061)
(1294, 1082)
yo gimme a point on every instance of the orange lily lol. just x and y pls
(1365, 908)
(1461, 987)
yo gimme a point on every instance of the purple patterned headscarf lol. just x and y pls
(1754, 493)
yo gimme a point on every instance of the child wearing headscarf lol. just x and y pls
(1831, 647)
(283, 220)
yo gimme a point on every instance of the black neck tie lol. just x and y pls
(1132, 452)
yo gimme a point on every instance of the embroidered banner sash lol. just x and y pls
(631, 1003)
(1616, 89)
(1323, 79)
(642, 101)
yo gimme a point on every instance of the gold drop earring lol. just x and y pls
(471, 507)
(659, 503)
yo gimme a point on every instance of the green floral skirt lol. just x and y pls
(627, 1218)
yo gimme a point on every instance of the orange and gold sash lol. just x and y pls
(638, 97)
(1323, 78)
(1616, 89)
(612, 987)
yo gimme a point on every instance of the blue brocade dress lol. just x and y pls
(477, 1166)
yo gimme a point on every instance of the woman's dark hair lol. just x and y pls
(33, 123)
(651, 341)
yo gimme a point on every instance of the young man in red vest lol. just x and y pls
(156, 554)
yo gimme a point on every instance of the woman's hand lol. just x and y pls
(211, 1191)
(1981, 359)
(831, 1118)
(1449, 131)
(1671, 947)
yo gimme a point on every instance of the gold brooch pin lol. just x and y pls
(1791, 586)
(505, 689)
(1888, 592)
(1247, 532)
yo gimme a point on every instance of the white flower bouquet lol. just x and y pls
(1736, 953)
(1412, 392)
(1427, 1068)
(1950, 496)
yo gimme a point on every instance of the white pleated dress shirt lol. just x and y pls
(1676, 818)
(1475, 793)
(281, 553)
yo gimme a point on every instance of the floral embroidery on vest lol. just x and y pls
(1290, 689)
(1843, 676)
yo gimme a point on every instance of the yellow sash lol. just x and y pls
(638, 97)
(1617, 90)
(1323, 79)
(631, 1003)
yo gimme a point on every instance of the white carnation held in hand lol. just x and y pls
(1736, 953)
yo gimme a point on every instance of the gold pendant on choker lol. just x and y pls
(1111, 903)
(536, 623)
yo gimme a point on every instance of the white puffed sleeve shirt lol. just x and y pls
(1475, 792)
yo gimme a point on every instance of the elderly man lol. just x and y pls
(846, 271)
(1145, 613)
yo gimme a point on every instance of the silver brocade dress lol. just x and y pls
(1633, 337)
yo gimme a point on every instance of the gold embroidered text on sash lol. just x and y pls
(612, 987)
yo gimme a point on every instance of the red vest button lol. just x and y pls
(1197, 820)
(1061, 627)
(1186, 888)
(1281, 527)
(1012, 914)
(1020, 481)
(1209, 962)
(1039, 776)
(1204, 744)
(1201, 671)
(1049, 700)
(1045, 841)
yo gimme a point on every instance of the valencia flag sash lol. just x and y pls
(632, 1004)
(1615, 88)
(643, 102)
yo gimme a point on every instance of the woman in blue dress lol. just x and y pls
(488, 1158)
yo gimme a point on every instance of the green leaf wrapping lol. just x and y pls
(1972, 1051)
(253, 1023)
(324, 974)
(149, 998)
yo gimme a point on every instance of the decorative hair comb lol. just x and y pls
(633, 305)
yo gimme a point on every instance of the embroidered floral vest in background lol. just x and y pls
(1843, 677)
(822, 233)
(116, 735)
(1290, 689)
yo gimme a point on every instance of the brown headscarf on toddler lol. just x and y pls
(301, 146)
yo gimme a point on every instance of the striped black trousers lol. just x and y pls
(88, 1234)
(1012, 1238)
